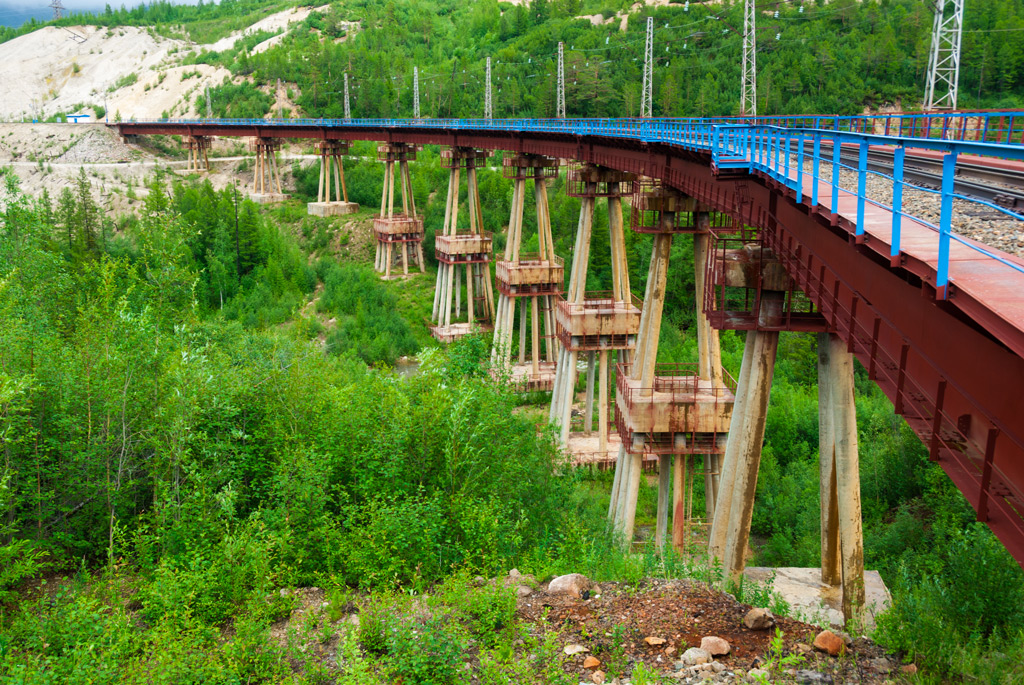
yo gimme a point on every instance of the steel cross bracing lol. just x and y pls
(944, 58)
(935, 318)
(560, 102)
(748, 75)
(647, 94)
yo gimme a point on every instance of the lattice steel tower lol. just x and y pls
(647, 96)
(944, 59)
(348, 110)
(560, 103)
(748, 87)
(488, 104)
(58, 9)
(415, 92)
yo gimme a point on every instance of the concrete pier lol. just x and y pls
(532, 279)
(463, 255)
(594, 324)
(331, 169)
(399, 234)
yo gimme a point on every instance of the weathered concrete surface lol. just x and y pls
(331, 208)
(267, 198)
(817, 602)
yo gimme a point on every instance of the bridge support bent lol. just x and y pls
(462, 254)
(399, 235)
(592, 323)
(331, 152)
(266, 179)
(198, 153)
(530, 279)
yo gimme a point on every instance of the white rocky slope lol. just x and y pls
(53, 70)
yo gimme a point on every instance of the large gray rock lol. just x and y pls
(715, 646)
(694, 656)
(574, 584)
(759, 619)
(807, 677)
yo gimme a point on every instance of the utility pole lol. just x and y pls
(348, 110)
(209, 104)
(415, 92)
(238, 249)
(560, 102)
(647, 96)
(748, 86)
(488, 104)
(944, 59)
(58, 9)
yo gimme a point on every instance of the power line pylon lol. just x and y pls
(647, 97)
(348, 110)
(488, 104)
(748, 87)
(560, 102)
(944, 59)
(415, 92)
(58, 9)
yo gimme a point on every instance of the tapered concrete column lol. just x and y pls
(664, 497)
(748, 454)
(830, 560)
(624, 496)
(838, 366)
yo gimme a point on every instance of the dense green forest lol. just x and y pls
(834, 57)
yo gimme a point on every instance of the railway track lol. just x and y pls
(1004, 187)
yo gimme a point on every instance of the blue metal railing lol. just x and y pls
(775, 146)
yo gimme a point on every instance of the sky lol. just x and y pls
(17, 12)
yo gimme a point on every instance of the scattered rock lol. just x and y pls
(759, 619)
(845, 637)
(717, 666)
(757, 673)
(695, 655)
(908, 669)
(591, 662)
(715, 646)
(523, 591)
(573, 650)
(813, 678)
(597, 677)
(802, 648)
(669, 651)
(880, 665)
(574, 584)
(654, 641)
(827, 641)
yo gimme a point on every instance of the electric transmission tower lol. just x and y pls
(647, 96)
(560, 102)
(748, 87)
(488, 104)
(348, 110)
(944, 59)
(58, 9)
(415, 92)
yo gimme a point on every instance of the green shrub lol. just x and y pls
(427, 651)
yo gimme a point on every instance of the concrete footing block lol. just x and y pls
(267, 198)
(331, 208)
